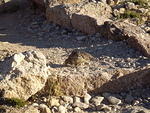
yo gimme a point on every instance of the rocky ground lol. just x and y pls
(23, 30)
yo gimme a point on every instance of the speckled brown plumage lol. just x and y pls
(78, 57)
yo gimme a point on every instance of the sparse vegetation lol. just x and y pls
(2, 109)
(139, 17)
(16, 102)
(53, 86)
(131, 14)
(142, 3)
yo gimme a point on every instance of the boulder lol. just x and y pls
(60, 15)
(90, 17)
(23, 75)
(138, 79)
(86, 18)
(123, 30)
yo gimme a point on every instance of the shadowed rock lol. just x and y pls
(123, 30)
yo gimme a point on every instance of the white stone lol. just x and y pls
(116, 12)
(62, 109)
(35, 104)
(87, 98)
(44, 108)
(77, 99)
(54, 102)
(104, 107)
(97, 100)
(67, 99)
(122, 10)
(113, 100)
(77, 109)
(17, 59)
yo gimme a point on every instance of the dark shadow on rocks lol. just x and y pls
(134, 80)
(12, 6)
(57, 65)
(136, 84)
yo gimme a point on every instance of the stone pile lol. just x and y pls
(106, 102)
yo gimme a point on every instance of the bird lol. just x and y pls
(78, 57)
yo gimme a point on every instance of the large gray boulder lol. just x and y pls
(23, 75)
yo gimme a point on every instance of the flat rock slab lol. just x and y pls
(123, 30)
(86, 17)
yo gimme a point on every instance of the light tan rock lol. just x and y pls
(23, 75)
(68, 99)
(87, 98)
(27, 109)
(59, 15)
(90, 17)
(104, 108)
(77, 109)
(86, 17)
(81, 105)
(97, 100)
(44, 108)
(54, 101)
(62, 109)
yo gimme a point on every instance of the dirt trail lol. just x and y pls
(15, 36)
(22, 30)
(11, 38)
